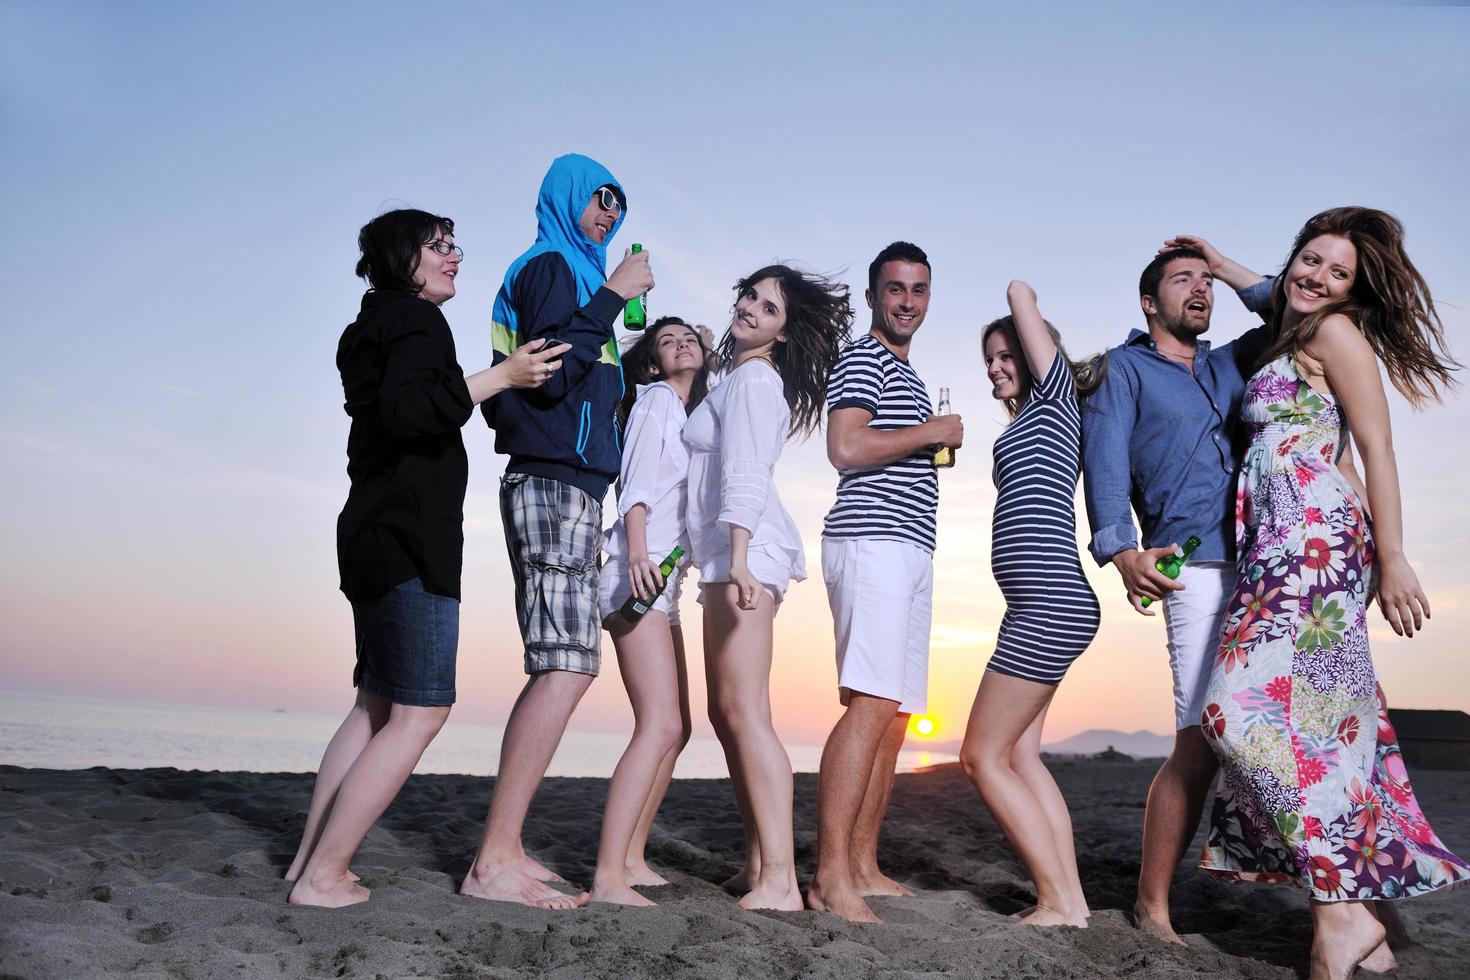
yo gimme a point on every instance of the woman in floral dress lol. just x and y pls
(1313, 789)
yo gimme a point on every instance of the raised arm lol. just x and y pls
(1351, 369)
(1031, 328)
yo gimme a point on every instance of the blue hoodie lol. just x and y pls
(567, 429)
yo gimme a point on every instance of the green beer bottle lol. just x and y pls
(1170, 564)
(635, 317)
(636, 605)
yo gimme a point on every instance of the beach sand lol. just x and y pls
(161, 873)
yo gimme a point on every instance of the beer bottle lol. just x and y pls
(636, 605)
(635, 317)
(1170, 564)
(943, 456)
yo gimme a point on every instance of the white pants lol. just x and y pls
(881, 593)
(1193, 619)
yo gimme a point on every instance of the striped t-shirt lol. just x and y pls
(896, 502)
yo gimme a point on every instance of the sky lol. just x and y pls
(181, 187)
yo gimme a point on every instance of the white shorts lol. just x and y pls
(1193, 619)
(881, 594)
(613, 590)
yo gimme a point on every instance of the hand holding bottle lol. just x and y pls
(946, 430)
(633, 276)
(1141, 576)
(645, 577)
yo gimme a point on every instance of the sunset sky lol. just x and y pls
(182, 186)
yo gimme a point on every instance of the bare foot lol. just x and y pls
(780, 894)
(499, 883)
(1381, 960)
(1157, 926)
(642, 875)
(293, 873)
(877, 883)
(1393, 924)
(846, 903)
(1343, 938)
(329, 892)
(535, 869)
(1043, 916)
(618, 895)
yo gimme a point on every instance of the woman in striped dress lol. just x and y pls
(1051, 613)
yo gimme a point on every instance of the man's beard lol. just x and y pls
(1187, 326)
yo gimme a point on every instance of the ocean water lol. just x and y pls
(57, 732)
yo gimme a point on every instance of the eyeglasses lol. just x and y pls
(444, 248)
(607, 199)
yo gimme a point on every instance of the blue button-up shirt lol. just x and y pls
(1168, 442)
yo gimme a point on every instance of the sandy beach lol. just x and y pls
(161, 873)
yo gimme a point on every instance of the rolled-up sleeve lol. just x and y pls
(423, 391)
(644, 449)
(1257, 297)
(752, 434)
(1107, 428)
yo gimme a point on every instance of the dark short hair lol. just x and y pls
(897, 252)
(1153, 273)
(390, 246)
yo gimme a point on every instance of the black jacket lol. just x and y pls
(406, 394)
(567, 429)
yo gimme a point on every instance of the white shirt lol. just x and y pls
(734, 438)
(654, 473)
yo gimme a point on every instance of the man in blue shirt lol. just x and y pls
(1162, 436)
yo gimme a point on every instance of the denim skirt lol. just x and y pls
(407, 641)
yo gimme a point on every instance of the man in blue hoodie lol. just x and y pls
(564, 448)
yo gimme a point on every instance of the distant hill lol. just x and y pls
(1140, 744)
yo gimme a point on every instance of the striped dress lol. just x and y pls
(1051, 613)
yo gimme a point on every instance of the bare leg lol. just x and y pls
(500, 871)
(741, 652)
(847, 769)
(863, 851)
(1175, 800)
(1395, 936)
(639, 873)
(1343, 935)
(369, 713)
(1004, 709)
(371, 782)
(1026, 761)
(744, 879)
(646, 660)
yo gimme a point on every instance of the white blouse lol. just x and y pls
(655, 474)
(734, 438)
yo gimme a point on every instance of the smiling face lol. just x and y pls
(760, 317)
(597, 221)
(435, 274)
(677, 351)
(901, 303)
(1321, 273)
(1005, 367)
(1186, 297)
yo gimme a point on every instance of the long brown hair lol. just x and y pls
(1087, 374)
(640, 367)
(1389, 302)
(818, 327)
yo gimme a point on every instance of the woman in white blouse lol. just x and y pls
(667, 365)
(784, 338)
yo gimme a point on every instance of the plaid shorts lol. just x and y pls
(553, 532)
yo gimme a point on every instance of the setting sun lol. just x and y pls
(923, 726)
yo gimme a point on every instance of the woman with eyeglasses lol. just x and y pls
(669, 376)
(399, 537)
(787, 330)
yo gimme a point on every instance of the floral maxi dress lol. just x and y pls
(1312, 787)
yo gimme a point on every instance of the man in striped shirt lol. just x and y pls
(877, 560)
